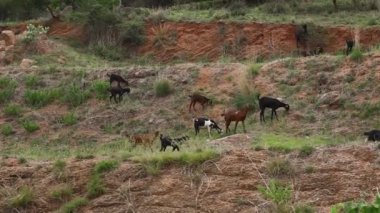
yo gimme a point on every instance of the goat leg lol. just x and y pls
(244, 127)
(275, 113)
(236, 123)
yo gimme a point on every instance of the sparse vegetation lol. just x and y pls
(254, 69)
(73, 205)
(304, 209)
(30, 126)
(100, 88)
(13, 110)
(40, 98)
(61, 192)
(280, 168)
(95, 186)
(74, 95)
(6, 129)
(59, 169)
(32, 81)
(357, 206)
(7, 89)
(246, 97)
(23, 197)
(280, 194)
(356, 55)
(105, 166)
(309, 169)
(306, 150)
(69, 119)
(162, 87)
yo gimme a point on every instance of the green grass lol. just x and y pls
(6, 129)
(74, 95)
(13, 110)
(246, 97)
(280, 168)
(30, 126)
(73, 205)
(61, 192)
(280, 194)
(69, 119)
(23, 198)
(105, 166)
(40, 98)
(59, 168)
(32, 81)
(100, 88)
(7, 89)
(95, 186)
(306, 150)
(303, 208)
(356, 55)
(162, 87)
(254, 69)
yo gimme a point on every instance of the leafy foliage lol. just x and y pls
(277, 192)
(358, 207)
(6, 129)
(33, 32)
(162, 87)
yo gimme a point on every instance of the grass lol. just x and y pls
(306, 150)
(61, 192)
(23, 198)
(356, 55)
(40, 98)
(73, 205)
(32, 81)
(7, 89)
(69, 119)
(6, 129)
(304, 208)
(95, 186)
(280, 168)
(105, 166)
(13, 110)
(75, 96)
(278, 193)
(30, 126)
(59, 168)
(246, 97)
(100, 88)
(162, 87)
(254, 69)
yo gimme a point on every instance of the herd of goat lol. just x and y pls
(233, 115)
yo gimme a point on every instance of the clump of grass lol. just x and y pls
(280, 168)
(61, 192)
(6, 129)
(7, 89)
(74, 95)
(69, 119)
(21, 160)
(40, 98)
(280, 194)
(73, 205)
(280, 149)
(22, 198)
(105, 166)
(304, 208)
(32, 81)
(13, 110)
(306, 150)
(30, 126)
(95, 187)
(237, 8)
(254, 69)
(258, 148)
(59, 168)
(100, 88)
(246, 97)
(162, 88)
(309, 169)
(356, 55)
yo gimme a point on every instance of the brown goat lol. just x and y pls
(235, 115)
(144, 139)
(200, 99)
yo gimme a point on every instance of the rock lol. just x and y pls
(8, 36)
(2, 45)
(26, 63)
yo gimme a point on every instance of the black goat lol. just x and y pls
(373, 135)
(165, 142)
(117, 78)
(118, 91)
(205, 122)
(267, 102)
(301, 33)
(350, 44)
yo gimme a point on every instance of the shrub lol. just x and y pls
(356, 55)
(105, 166)
(6, 129)
(95, 187)
(372, 22)
(73, 205)
(304, 209)
(253, 69)
(246, 97)
(278, 193)
(61, 192)
(132, 32)
(59, 168)
(7, 89)
(69, 119)
(23, 197)
(280, 168)
(40, 98)
(75, 96)
(306, 150)
(32, 81)
(13, 110)
(309, 169)
(113, 53)
(162, 87)
(357, 207)
(101, 89)
(30, 126)
(32, 33)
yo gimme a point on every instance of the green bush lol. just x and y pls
(32, 81)
(306, 150)
(276, 192)
(162, 87)
(112, 53)
(73, 205)
(253, 69)
(23, 198)
(32, 33)
(280, 168)
(304, 209)
(69, 119)
(13, 110)
(74, 95)
(357, 207)
(356, 55)
(61, 192)
(105, 166)
(40, 98)
(7, 89)
(132, 32)
(246, 97)
(30, 126)
(6, 129)
(95, 187)
(101, 89)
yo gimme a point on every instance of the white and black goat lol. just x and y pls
(205, 122)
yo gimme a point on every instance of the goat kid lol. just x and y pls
(117, 78)
(205, 122)
(144, 139)
(350, 44)
(272, 103)
(167, 141)
(118, 91)
(237, 116)
(373, 135)
(196, 98)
